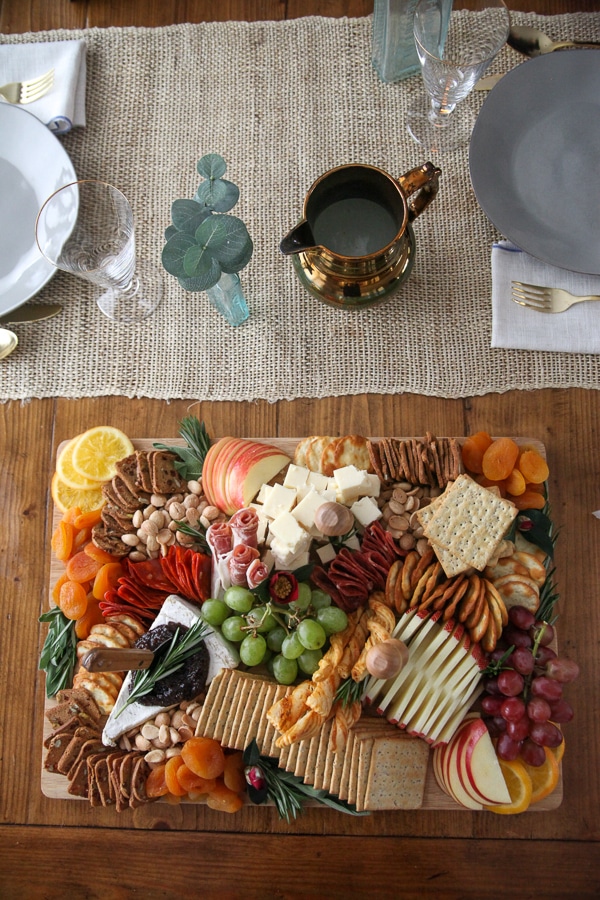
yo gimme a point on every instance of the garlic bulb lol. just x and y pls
(386, 659)
(333, 519)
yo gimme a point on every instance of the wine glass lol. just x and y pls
(86, 228)
(454, 52)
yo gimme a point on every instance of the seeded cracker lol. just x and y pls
(469, 522)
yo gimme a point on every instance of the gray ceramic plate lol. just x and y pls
(535, 156)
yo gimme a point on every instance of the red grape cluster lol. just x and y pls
(523, 704)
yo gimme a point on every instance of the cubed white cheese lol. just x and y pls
(264, 493)
(326, 553)
(304, 512)
(289, 559)
(365, 511)
(295, 477)
(280, 500)
(351, 483)
(373, 485)
(318, 481)
(352, 543)
(268, 559)
(288, 533)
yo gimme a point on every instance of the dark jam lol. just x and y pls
(184, 684)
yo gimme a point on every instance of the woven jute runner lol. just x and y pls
(282, 102)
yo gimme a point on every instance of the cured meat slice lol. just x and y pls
(256, 573)
(219, 537)
(244, 525)
(239, 561)
(150, 573)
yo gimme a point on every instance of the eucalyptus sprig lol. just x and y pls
(203, 242)
(191, 457)
(166, 661)
(287, 791)
(59, 653)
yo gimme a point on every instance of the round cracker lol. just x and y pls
(508, 565)
(495, 598)
(84, 679)
(300, 451)
(469, 599)
(410, 564)
(110, 632)
(535, 569)
(130, 621)
(518, 590)
(478, 630)
(104, 700)
(351, 450)
(459, 593)
(314, 452)
(391, 581)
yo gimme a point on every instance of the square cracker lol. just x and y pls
(470, 522)
(450, 562)
(397, 773)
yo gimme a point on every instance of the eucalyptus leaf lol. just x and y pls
(233, 239)
(199, 262)
(170, 231)
(198, 284)
(173, 253)
(212, 166)
(214, 194)
(239, 262)
(188, 214)
(212, 234)
(226, 196)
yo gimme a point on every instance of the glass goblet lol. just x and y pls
(454, 52)
(86, 228)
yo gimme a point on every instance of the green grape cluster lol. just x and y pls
(289, 639)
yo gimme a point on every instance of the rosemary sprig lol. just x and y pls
(349, 691)
(166, 662)
(198, 533)
(191, 458)
(59, 653)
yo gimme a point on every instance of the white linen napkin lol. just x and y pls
(63, 107)
(575, 331)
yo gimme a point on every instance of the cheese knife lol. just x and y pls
(30, 314)
(108, 659)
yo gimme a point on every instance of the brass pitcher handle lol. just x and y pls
(425, 180)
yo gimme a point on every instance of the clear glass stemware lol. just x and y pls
(454, 52)
(86, 228)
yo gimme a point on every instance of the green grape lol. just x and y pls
(284, 670)
(292, 646)
(311, 635)
(270, 665)
(232, 628)
(214, 612)
(267, 657)
(333, 619)
(275, 638)
(319, 599)
(304, 597)
(239, 598)
(308, 662)
(252, 649)
(261, 619)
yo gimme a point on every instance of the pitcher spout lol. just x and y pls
(299, 239)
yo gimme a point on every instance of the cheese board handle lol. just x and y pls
(107, 659)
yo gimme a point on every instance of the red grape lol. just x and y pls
(493, 728)
(546, 734)
(512, 709)
(491, 705)
(539, 709)
(522, 660)
(499, 724)
(562, 669)
(491, 686)
(545, 687)
(506, 748)
(517, 637)
(510, 683)
(518, 730)
(521, 617)
(561, 711)
(544, 655)
(533, 754)
(547, 633)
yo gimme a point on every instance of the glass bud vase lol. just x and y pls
(227, 298)
(394, 52)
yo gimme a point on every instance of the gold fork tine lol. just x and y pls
(530, 295)
(37, 87)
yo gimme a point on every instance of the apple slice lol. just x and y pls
(478, 766)
(239, 490)
(450, 773)
(211, 458)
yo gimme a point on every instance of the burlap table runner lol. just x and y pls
(282, 102)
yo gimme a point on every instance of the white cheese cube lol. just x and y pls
(349, 482)
(288, 533)
(286, 558)
(326, 553)
(268, 559)
(318, 481)
(373, 485)
(352, 543)
(295, 477)
(304, 513)
(365, 511)
(280, 500)
(264, 493)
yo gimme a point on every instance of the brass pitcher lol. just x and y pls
(355, 245)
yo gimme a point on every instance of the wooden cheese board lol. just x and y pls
(55, 786)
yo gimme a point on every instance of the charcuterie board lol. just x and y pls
(55, 786)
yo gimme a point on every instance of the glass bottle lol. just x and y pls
(394, 53)
(228, 299)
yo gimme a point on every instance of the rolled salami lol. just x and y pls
(244, 525)
(219, 537)
(239, 561)
(256, 573)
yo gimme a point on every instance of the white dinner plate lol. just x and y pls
(534, 158)
(33, 164)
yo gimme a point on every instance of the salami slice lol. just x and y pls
(239, 561)
(256, 573)
(219, 537)
(244, 525)
(321, 579)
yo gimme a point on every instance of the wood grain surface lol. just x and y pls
(51, 848)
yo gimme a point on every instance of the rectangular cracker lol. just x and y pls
(309, 773)
(362, 774)
(302, 756)
(227, 701)
(267, 703)
(210, 707)
(397, 773)
(289, 760)
(271, 733)
(248, 730)
(470, 521)
(345, 776)
(322, 752)
(240, 710)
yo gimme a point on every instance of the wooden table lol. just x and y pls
(64, 848)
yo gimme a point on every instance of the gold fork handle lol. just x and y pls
(582, 299)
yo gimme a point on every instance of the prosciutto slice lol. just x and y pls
(239, 562)
(244, 526)
(256, 573)
(219, 537)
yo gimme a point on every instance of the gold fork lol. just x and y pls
(28, 91)
(545, 300)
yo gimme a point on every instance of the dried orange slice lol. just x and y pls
(519, 787)
(66, 497)
(544, 778)
(66, 472)
(96, 451)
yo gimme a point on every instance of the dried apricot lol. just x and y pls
(171, 780)
(82, 567)
(81, 539)
(57, 586)
(92, 616)
(88, 519)
(204, 756)
(156, 785)
(62, 540)
(233, 774)
(515, 483)
(530, 500)
(192, 783)
(499, 459)
(223, 799)
(488, 483)
(97, 553)
(473, 449)
(106, 579)
(73, 599)
(533, 466)
(71, 514)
